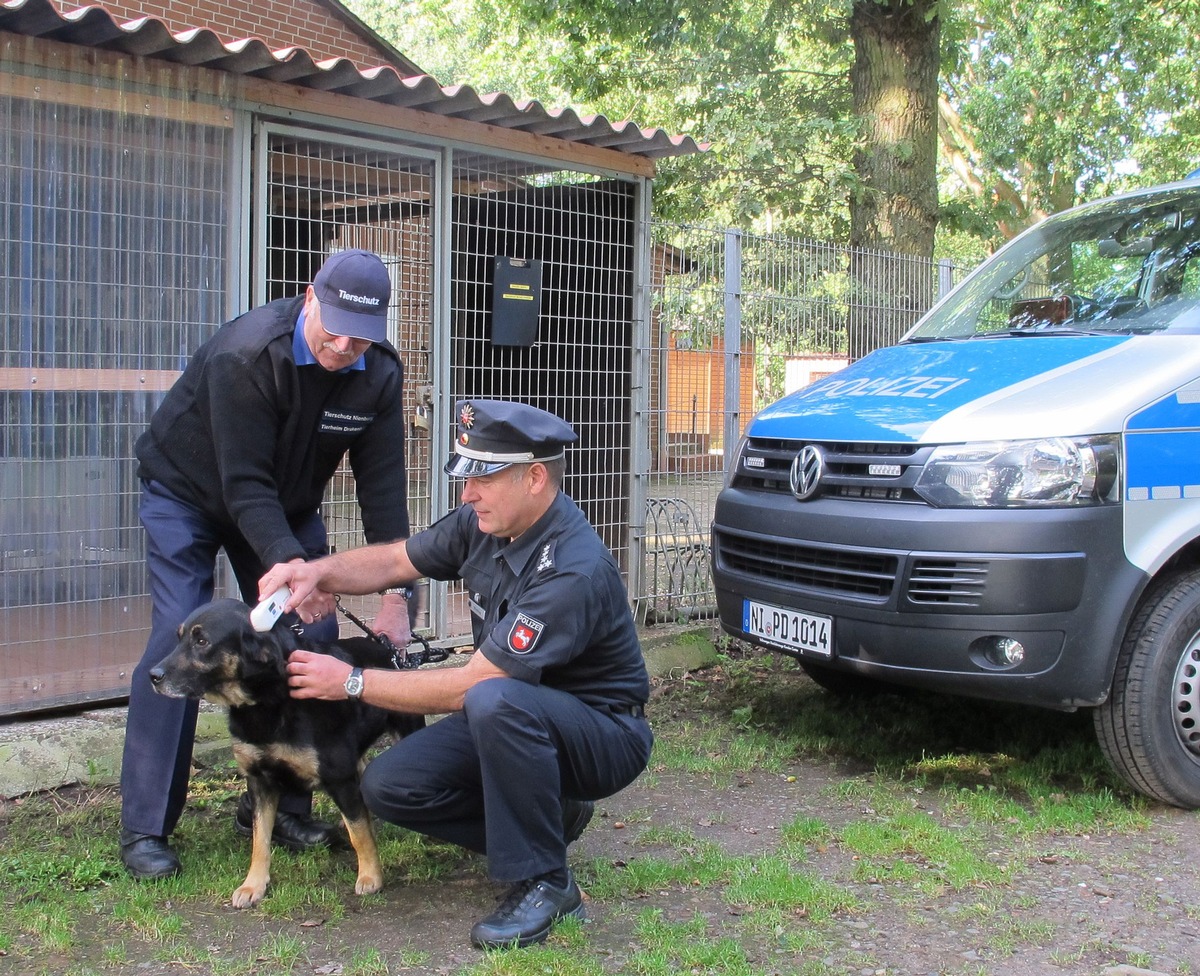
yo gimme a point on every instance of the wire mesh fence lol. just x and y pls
(109, 221)
(130, 237)
(738, 321)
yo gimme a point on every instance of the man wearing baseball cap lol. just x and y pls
(548, 713)
(237, 457)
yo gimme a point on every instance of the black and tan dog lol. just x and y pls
(282, 743)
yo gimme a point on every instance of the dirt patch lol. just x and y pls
(1068, 903)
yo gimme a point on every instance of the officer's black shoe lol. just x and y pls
(291, 831)
(527, 914)
(575, 816)
(148, 856)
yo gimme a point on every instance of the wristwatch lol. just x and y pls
(354, 684)
(404, 591)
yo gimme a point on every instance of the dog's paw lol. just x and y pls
(248, 895)
(368, 883)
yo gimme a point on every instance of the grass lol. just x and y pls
(935, 803)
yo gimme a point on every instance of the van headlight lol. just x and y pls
(1049, 472)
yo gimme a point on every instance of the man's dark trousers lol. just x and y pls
(182, 545)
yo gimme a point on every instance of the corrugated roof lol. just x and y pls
(148, 37)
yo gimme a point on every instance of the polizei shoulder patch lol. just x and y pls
(524, 634)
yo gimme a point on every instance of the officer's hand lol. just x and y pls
(392, 619)
(313, 675)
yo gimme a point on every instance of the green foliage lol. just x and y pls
(762, 83)
(1045, 105)
(1042, 105)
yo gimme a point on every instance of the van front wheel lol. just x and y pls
(1149, 728)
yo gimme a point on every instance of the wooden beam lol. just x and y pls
(17, 379)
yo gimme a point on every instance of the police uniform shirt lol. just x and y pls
(549, 607)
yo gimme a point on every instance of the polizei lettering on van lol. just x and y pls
(921, 387)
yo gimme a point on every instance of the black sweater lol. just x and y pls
(252, 440)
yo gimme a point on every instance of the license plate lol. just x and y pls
(795, 630)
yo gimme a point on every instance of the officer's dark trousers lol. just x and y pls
(514, 750)
(181, 556)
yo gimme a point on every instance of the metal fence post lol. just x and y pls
(639, 405)
(945, 277)
(733, 343)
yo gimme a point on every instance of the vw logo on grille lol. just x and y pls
(807, 470)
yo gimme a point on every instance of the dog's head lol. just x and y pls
(221, 657)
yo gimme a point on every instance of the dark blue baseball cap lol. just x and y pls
(354, 290)
(496, 434)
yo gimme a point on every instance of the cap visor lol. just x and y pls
(465, 467)
(339, 322)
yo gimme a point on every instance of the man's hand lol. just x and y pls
(313, 675)
(301, 578)
(392, 619)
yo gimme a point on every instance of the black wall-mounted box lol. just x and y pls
(516, 301)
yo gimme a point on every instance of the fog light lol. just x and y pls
(1003, 652)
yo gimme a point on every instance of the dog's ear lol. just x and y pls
(262, 651)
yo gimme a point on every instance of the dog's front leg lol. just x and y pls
(255, 885)
(370, 869)
(347, 794)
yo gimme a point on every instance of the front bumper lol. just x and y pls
(910, 588)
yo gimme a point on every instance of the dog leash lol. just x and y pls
(401, 660)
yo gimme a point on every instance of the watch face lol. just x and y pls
(354, 683)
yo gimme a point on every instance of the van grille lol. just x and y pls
(870, 471)
(948, 582)
(837, 570)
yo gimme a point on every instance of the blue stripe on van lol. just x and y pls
(1162, 465)
(1178, 411)
(895, 394)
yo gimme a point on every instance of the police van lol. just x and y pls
(1005, 504)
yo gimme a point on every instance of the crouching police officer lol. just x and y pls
(546, 716)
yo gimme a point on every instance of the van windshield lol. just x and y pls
(1124, 265)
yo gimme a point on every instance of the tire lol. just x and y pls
(1149, 728)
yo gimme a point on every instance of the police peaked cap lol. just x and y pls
(495, 434)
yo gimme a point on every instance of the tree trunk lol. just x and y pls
(895, 86)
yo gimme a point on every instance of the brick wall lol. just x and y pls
(278, 23)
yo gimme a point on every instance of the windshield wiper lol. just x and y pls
(1025, 333)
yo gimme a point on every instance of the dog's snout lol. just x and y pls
(156, 675)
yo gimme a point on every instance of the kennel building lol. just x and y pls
(159, 176)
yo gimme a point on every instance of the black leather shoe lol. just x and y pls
(527, 913)
(291, 831)
(147, 856)
(575, 816)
